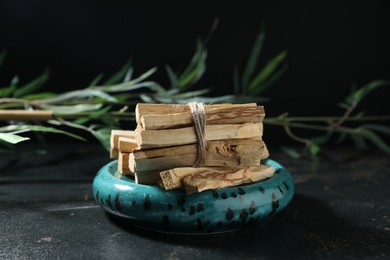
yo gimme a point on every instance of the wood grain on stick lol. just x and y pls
(232, 153)
(186, 135)
(211, 179)
(143, 109)
(204, 178)
(214, 116)
(126, 144)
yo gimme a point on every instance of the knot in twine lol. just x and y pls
(199, 119)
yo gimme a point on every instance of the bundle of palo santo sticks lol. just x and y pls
(171, 146)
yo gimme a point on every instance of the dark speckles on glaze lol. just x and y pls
(223, 195)
(215, 194)
(252, 208)
(118, 205)
(169, 206)
(285, 185)
(192, 210)
(199, 224)
(180, 201)
(165, 220)
(281, 190)
(109, 201)
(229, 214)
(133, 204)
(275, 205)
(243, 215)
(261, 189)
(241, 191)
(233, 194)
(147, 203)
(199, 207)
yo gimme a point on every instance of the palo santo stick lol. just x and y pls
(126, 144)
(114, 140)
(26, 115)
(214, 116)
(209, 178)
(143, 109)
(231, 153)
(204, 178)
(181, 136)
(123, 163)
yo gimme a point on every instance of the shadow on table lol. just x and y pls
(306, 228)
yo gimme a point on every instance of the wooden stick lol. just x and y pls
(114, 141)
(115, 134)
(199, 179)
(232, 153)
(26, 115)
(214, 116)
(123, 163)
(143, 109)
(126, 144)
(181, 136)
(209, 178)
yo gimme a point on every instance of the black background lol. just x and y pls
(331, 45)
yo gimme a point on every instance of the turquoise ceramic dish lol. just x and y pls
(210, 211)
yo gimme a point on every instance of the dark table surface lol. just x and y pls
(341, 209)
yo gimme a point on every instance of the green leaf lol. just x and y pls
(291, 152)
(191, 94)
(3, 54)
(79, 94)
(360, 93)
(253, 58)
(8, 91)
(195, 69)
(174, 80)
(33, 85)
(103, 135)
(68, 110)
(236, 81)
(119, 76)
(96, 80)
(132, 84)
(378, 128)
(12, 138)
(268, 69)
(42, 95)
(99, 114)
(36, 128)
(314, 149)
(319, 140)
(341, 138)
(269, 82)
(375, 139)
(359, 141)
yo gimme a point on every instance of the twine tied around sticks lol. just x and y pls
(199, 118)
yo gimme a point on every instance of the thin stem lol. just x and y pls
(316, 127)
(295, 137)
(326, 118)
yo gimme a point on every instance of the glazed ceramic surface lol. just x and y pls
(210, 211)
